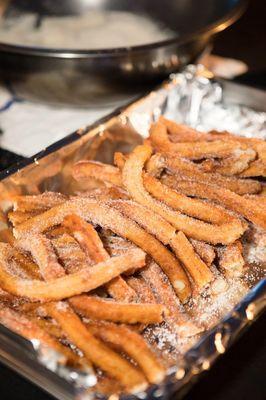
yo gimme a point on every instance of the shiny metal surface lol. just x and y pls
(95, 77)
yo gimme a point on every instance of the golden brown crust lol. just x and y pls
(108, 310)
(84, 280)
(103, 215)
(134, 345)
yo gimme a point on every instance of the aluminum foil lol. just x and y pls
(191, 97)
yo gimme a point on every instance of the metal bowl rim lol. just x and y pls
(228, 19)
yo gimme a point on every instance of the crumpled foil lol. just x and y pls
(194, 99)
(189, 97)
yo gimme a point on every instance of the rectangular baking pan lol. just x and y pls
(21, 355)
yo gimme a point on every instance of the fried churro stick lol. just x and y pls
(229, 199)
(69, 253)
(204, 250)
(87, 237)
(152, 222)
(134, 345)
(6, 297)
(83, 169)
(192, 207)
(195, 150)
(143, 291)
(42, 252)
(162, 291)
(100, 355)
(129, 313)
(182, 133)
(29, 329)
(103, 215)
(6, 236)
(56, 232)
(38, 203)
(231, 260)
(3, 220)
(157, 226)
(164, 294)
(229, 166)
(197, 269)
(17, 217)
(105, 193)
(187, 170)
(50, 326)
(85, 280)
(26, 264)
(29, 267)
(154, 166)
(133, 181)
(115, 245)
(78, 301)
(256, 168)
(259, 200)
(92, 245)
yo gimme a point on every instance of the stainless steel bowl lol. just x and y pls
(95, 77)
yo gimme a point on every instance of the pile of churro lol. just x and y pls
(125, 274)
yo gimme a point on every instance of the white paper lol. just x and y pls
(29, 127)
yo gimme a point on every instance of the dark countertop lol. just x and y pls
(240, 373)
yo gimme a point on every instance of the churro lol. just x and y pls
(198, 270)
(133, 181)
(83, 169)
(103, 215)
(92, 245)
(176, 319)
(256, 169)
(144, 292)
(196, 150)
(109, 310)
(134, 345)
(204, 250)
(231, 259)
(100, 355)
(84, 280)
(180, 133)
(38, 203)
(17, 217)
(43, 254)
(231, 200)
(69, 253)
(186, 170)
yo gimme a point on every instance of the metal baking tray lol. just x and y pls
(192, 97)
